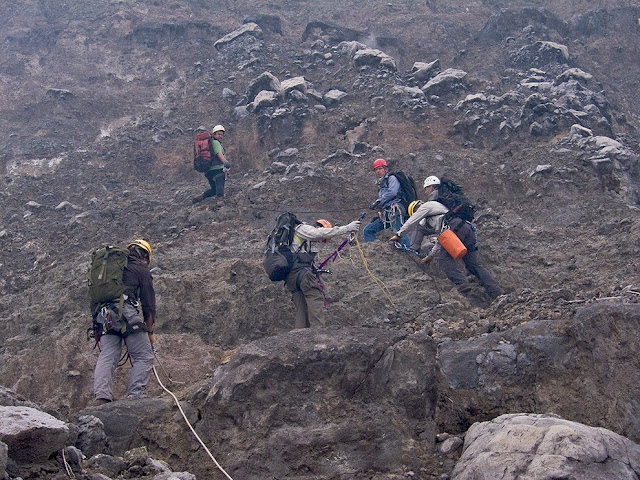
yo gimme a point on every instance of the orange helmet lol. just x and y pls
(323, 223)
(380, 162)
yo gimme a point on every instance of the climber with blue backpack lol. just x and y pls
(448, 213)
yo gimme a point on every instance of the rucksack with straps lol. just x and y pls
(106, 288)
(202, 152)
(452, 196)
(278, 257)
(407, 187)
(105, 275)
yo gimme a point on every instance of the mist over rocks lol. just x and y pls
(537, 119)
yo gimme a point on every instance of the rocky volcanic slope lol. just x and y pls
(533, 110)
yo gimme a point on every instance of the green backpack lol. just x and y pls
(105, 275)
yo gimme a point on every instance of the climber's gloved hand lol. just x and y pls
(354, 226)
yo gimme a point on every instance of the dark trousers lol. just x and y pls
(216, 180)
(471, 260)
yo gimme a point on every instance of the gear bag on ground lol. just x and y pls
(452, 196)
(105, 275)
(278, 257)
(202, 152)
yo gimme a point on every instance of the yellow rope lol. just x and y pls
(380, 283)
(189, 425)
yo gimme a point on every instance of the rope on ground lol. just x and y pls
(189, 424)
(67, 467)
(155, 354)
(380, 283)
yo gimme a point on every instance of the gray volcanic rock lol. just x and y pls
(518, 446)
(338, 400)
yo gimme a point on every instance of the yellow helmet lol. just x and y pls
(143, 244)
(413, 206)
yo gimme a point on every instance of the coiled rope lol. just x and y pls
(189, 424)
(380, 283)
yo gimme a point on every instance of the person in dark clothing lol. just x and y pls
(428, 217)
(217, 173)
(133, 327)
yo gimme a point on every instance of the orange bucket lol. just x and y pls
(452, 244)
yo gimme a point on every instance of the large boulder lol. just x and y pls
(248, 29)
(318, 403)
(521, 370)
(32, 435)
(532, 446)
(450, 80)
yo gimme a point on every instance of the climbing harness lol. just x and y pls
(189, 424)
(390, 215)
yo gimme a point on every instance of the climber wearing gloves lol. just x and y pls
(307, 290)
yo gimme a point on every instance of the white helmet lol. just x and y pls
(432, 180)
(217, 128)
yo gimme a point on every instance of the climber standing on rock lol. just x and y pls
(128, 320)
(208, 148)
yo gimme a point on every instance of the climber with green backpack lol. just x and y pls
(123, 306)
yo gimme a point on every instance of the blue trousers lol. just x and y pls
(372, 229)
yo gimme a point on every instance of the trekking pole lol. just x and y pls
(336, 252)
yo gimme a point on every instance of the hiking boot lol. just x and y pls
(493, 294)
(220, 202)
(101, 401)
(197, 199)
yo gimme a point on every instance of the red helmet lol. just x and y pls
(381, 162)
(323, 223)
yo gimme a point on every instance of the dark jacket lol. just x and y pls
(464, 232)
(139, 285)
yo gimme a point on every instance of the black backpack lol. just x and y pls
(452, 196)
(407, 187)
(278, 257)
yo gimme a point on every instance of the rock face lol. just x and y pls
(338, 401)
(543, 447)
(519, 370)
(32, 435)
(532, 110)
